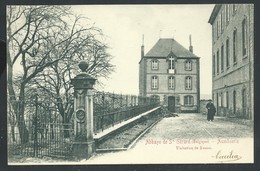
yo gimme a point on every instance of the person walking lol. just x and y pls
(211, 110)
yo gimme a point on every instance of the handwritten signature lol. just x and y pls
(227, 157)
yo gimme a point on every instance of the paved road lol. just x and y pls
(188, 138)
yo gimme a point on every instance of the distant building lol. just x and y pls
(171, 73)
(233, 59)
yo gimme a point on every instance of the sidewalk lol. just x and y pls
(246, 122)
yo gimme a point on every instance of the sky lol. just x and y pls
(124, 26)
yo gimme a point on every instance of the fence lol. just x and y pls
(45, 139)
(40, 133)
(47, 135)
(111, 109)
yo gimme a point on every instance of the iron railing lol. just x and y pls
(45, 139)
(42, 132)
(111, 109)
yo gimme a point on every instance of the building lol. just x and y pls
(233, 59)
(170, 72)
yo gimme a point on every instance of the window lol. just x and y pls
(213, 65)
(227, 14)
(221, 101)
(235, 46)
(188, 100)
(171, 62)
(217, 62)
(227, 100)
(217, 101)
(219, 26)
(244, 37)
(234, 102)
(217, 29)
(234, 8)
(155, 64)
(244, 102)
(188, 82)
(227, 53)
(154, 82)
(155, 98)
(171, 82)
(188, 65)
(221, 22)
(222, 58)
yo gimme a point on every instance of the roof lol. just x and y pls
(214, 13)
(164, 47)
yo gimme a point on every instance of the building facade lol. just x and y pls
(233, 59)
(171, 73)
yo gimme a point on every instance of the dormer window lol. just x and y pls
(188, 65)
(155, 64)
(171, 63)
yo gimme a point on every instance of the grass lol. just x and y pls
(124, 138)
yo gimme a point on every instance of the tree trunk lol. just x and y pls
(12, 132)
(52, 131)
(51, 126)
(12, 123)
(65, 120)
(66, 128)
(23, 132)
(19, 106)
(19, 112)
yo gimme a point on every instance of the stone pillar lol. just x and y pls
(83, 145)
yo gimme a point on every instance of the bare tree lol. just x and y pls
(56, 79)
(28, 29)
(42, 38)
(11, 121)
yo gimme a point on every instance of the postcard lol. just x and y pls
(130, 84)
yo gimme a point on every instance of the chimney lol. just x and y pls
(142, 48)
(191, 47)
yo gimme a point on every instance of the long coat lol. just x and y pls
(211, 110)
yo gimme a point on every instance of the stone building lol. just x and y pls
(233, 59)
(170, 72)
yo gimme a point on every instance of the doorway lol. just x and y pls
(244, 102)
(217, 105)
(171, 103)
(234, 102)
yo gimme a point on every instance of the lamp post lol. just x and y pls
(83, 144)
